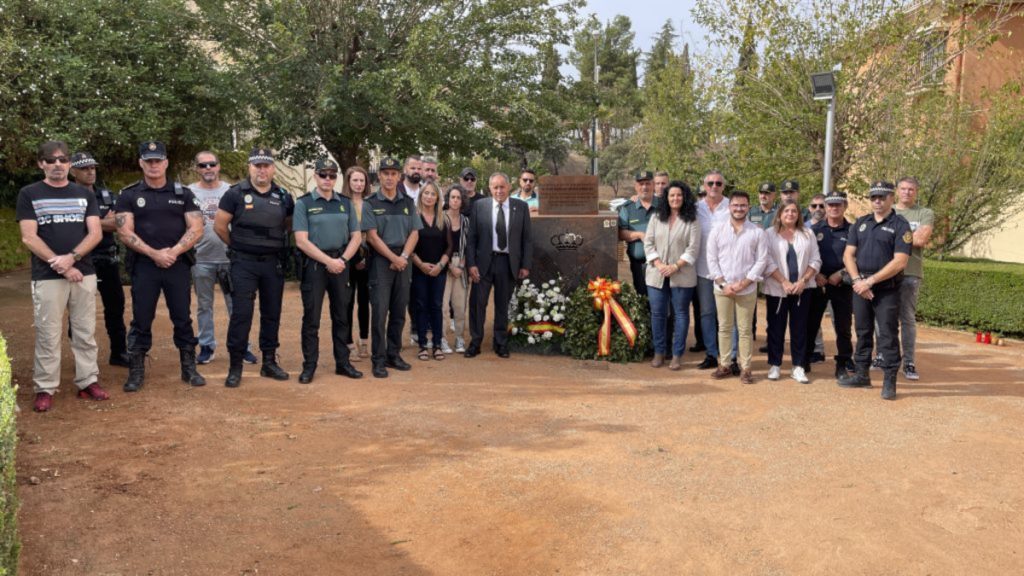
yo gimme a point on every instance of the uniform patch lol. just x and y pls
(863, 227)
(406, 210)
(821, 236)
(341, 208)
(196, 202)
(908, 237)
(141, 202)
(248, 198)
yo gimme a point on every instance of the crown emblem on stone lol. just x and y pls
(567, 241)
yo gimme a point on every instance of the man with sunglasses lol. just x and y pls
(712, 210)
(833, 283)
(60, 225)
(816, 213)
(877, 250)
(527, 191)
(468, 180)
(253, 218)
(159, 221)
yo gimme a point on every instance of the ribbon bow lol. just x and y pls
(604, 291)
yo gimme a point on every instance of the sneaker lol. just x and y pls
(249, 357)
(460, 345)
(876, 364)
(205, 355)
(799, 375)
(93, 392)
(910, 372)
(43, 402)
(445, 348)
(774, 372)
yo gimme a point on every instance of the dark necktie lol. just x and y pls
(502, 229)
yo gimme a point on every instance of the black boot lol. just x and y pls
(841, 371)
(889, 386)
(234, 379)
(859, 379)
(188, 368)
(270, 368)
(307, 374)
(119, 358)
(136, 372)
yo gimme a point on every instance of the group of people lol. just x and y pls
(712, 252)
(447, 251)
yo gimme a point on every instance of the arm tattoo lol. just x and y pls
(187, 240)
(119, 220)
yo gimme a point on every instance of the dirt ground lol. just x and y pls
(526, 466)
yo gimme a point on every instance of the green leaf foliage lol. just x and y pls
(974, 295)
(583, 322)
(10, 546)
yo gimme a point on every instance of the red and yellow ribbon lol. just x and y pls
(604, 291)
(542, 327)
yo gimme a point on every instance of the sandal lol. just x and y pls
(438, 354)
(423, 355)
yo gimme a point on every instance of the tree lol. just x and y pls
(661, 51)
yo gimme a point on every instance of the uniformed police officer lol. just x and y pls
(160, 222)
(253, 219)
(790, 190)
(877, 251)
(833, 284)
(105, 258)
(392, 230)
(633, 218)
(327, 232)
(764, 212)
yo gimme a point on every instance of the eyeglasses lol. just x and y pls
(817, 206)
(527, 180)
(715, 183)
(205, 165)
(58, 159)
(328, 175)
(469, 178)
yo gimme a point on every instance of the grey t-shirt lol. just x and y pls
(210, 249)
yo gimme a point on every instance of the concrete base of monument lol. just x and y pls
(578, 248)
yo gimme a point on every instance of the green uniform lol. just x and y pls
(329, 221)
(763, 217)
(393, 219)
(917, 216)
(634, 217)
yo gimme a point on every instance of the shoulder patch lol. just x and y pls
(863, 227)
(908, 237)
(821, 236)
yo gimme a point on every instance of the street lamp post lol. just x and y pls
(593, 127)
(823, 85)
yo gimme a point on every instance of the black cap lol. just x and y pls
(261, 156)
(766, 187)
(468, 171)
(790, 186)
(83, 160)
(644, 175)
(325, 164)
(152, 150)
(881, 188)
(835, 197)
(389, 163)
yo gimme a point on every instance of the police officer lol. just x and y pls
(105, 258)
(790, 190)
(633, 218)
(159, 221)
(833, 283)
(253, 219)
(392, 230)
(764, 212)
(327, 233)
(877, 251)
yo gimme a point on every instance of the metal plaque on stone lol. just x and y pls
(569, 195)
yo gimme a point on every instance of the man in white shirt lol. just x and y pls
(713, 209)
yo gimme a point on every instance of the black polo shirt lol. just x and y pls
(105, 200)
(878, 242)
(831, 245)
(159, 212)
(60, 215)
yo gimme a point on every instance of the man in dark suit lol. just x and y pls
(499, 252)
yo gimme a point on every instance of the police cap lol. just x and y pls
(835, 197)
(881, 188)
(152, 150)
(325, 164)
(389, 163)
(261, 155)
(766, 188)
(790, 186)
(644, 175)
(83, 160)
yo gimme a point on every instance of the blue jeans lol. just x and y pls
(708, 315)
(660, 299)
(205, 276)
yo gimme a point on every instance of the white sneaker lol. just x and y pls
(460, 345)
(445, 348)
(799, 376)
(774, 372)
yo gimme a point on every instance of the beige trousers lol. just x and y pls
(733, 311)
(50, 298)
(458, 296)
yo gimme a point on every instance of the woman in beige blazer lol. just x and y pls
(671, 245)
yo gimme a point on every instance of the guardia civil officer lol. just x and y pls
(327, 233)
(159, 221)
(392, 230)
(105, 258)
(877, 251)
(253, 219)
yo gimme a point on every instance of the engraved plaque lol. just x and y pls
(579, 248)
(571, 195)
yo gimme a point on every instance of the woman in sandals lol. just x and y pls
(430, 258)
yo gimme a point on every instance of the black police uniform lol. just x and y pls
(108, 280)
(831, 245)
(159, 215)
(258, 251)
(877, 244)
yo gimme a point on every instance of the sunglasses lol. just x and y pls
(527, 180)
(817, 206)
(207, 165)
(469, 179)
(715, 183)
(58, 159)
(328, 175)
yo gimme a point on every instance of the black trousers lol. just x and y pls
(698, 330)
(499, 278)
(883, 309)
(636, 268)
(148, 281)
(841, 298)
(108, 282)
(316, 282)
(389, 300)
(791, 311)
(250, 276)
(360, 282)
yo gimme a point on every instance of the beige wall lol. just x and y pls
(1005, 244)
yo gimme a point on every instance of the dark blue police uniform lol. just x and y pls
(831, 245)
(108, 280)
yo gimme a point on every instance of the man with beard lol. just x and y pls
(660, 183)
(527, 191)
(429, 169)
(412, 177)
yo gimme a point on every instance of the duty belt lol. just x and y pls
(253, 257)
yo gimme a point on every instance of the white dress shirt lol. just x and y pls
(709, 220)
(506, 205)
(737, 255)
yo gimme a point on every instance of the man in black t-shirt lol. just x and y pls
(159, 221)
(60, 224)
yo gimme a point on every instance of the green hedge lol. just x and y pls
(9, 546)
(13, 253)
(974, 295)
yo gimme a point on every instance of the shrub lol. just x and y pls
(974, 295)
(582, 323)
(13, 253)
(9, 546)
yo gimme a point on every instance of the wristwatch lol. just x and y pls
(76, 256)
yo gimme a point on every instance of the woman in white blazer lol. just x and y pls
(672, 244)
(793, 262)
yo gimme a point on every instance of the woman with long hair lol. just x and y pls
(456, 288)
(672, 244)
(793, 263)
(356, 187)
(431, 256)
